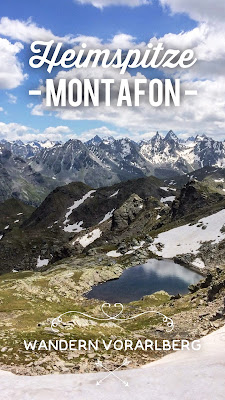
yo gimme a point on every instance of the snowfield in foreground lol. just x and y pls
(186, 375)
(188, 238)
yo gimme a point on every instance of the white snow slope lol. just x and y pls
(186, 375)
(188, 238)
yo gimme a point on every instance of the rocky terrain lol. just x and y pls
(51, 231)
(18, 180)
(29, 301)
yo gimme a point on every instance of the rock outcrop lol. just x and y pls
(127, 213)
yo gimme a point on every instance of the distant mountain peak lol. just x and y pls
(171, 136)
(190, 139)
(157, 137)
(95, 140)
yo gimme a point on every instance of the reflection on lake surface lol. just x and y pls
(146, 279)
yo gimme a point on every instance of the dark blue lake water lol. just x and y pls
(146, 279)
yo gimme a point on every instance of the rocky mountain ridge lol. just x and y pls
(20, 181)
(103, 162)
(122, 219)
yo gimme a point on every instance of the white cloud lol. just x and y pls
(106, 3)
(11, 98)
(56, 130)
(27, 31)
(199, 10)
(204, 113)
(11, 73)
(207, 41)
(14, 131)
(1, 109)
(37, 110)
(120, 40)
(91, 41)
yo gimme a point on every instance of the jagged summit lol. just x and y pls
(95, 140)
(171, 136)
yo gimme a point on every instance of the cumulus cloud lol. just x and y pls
(56, 130)
(204, 113)
(120, 40)
(27, 31)
(199, 10)
(107, 3)
(15, 131)
(11, 73)
(36, 110)
(207, 42)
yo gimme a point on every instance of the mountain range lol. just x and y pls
(31, 170)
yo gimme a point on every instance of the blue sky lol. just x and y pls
(64, 17)
(67, 16)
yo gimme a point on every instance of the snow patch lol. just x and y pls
(198, 263)
(188, 238)
(114, 194)
(166, 199)
(74, 228)
(114, 253)
(219, 180)
(42, 263)
(131, 251)
(107, 216)
(89, 237)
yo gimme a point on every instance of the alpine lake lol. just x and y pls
(146, 279)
